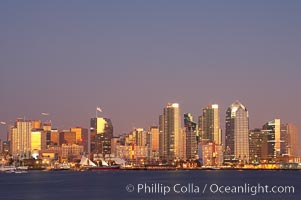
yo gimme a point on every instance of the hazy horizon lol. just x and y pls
(132, 58)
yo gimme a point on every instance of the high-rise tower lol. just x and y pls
(170, 132)
(21, 138)
(191, 136)
(209, 125)
(292, 140)
(101, 133)
(237, 133)
(272, 132)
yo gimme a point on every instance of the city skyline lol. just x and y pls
(275, 142)
(6, 124)
(131, 58)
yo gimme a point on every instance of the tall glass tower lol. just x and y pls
(101, 133)
(209, 125)
(191, 136)
(272, 132)
(237, 133)
(170, 128)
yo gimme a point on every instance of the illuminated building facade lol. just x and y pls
(140, 137)
(36, 124)
(67, 137)
(170, 132)
(72, 152)
(256, 140)
(190, 136)
(81, 137)
(237, 133)
(272, 144)
(21, 138)
(38, 139)
(292, 140)
(54, 137)
(154, 130)
(101, 133)
(47, 126)
(161, 137)
(212, 154)
(209, 125)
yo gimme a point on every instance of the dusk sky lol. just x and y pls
(133, 57)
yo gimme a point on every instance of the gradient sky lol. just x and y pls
(133, 57)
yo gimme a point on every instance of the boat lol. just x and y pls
(10, 171)
(61, 166)
(22, 168)
(105, 166)
(86, 163)
(7, 168)
(13, 169)
(20, 172)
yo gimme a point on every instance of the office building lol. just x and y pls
(237, 133)
(256, 139)
(71, 152)
(209, 125)
(54, 137)
(101, 133)
(292, 139)
(171, 132)
(21, 139)
(67, 137)
(38, 140)
(272, 142)
(190, 132)
(81, 137)
(212, 154)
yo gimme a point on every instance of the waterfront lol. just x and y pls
(113, 184)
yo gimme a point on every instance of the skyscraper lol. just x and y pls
(141, 137)
(237, 133)
(155, 138)
(154, 131)
(293, 139)
(101, 133)
(272, 146)
(161, 137)
(256, 138)
(170, 132)
(191, 136)
(209, 125)
(21, 138)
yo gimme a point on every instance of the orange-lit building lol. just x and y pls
(54, 137)
(154, 130)
(47, 126)
(72, 152)
(81, 137)
(67, 137)
(36, 124)
(212, 154)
